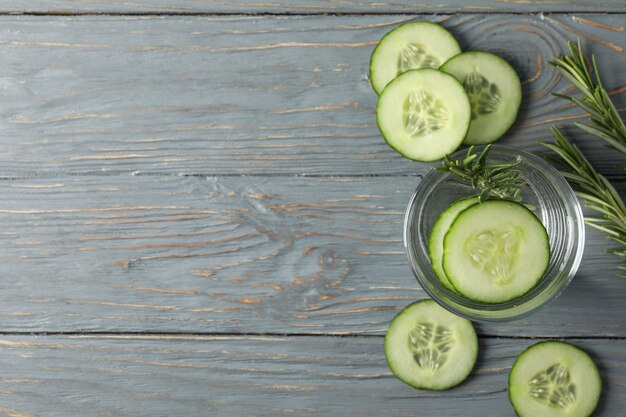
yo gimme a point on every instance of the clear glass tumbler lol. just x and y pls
(556, 205)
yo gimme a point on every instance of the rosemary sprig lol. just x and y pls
(605, 121)
(500, 180)
(605, 124)
(596, 191)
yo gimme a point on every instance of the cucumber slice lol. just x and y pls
(440, 228)
(495, 251)
(495, 92)
(430, 348)
(554, 379)
(410, 46)
(423, 114)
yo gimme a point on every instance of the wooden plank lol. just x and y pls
(250, 94)
(238, 254)
(306, 6)
(255, 376)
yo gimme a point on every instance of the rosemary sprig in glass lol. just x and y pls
(596, 191)
(500, 180)
(605, 121)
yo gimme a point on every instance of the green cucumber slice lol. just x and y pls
(495, 92)
(554, 379)
(410, 46)
(495, 251)
(440, 228)
(423, 114)
(427, 347)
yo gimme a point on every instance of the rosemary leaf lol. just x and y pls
(500, 180)
(605, 121)
(595, 190)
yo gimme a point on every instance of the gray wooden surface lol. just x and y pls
(199, 216)
(259, 376)
(308, 6)
(250, 94)
(239, 254)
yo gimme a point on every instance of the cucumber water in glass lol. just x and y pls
(496, 259)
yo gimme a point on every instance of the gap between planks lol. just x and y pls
(148, 334)
(55, 174)
(300, 13)
(48, 175)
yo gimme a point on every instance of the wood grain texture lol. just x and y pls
(238, 254)
(307, 6)
(256, 376)
(251, 94)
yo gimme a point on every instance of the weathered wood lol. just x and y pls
(238, 254)
(306, 6)
(255, 376)
(250, 94)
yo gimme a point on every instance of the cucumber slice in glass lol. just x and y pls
(495, 251)
(410, 46)
(427, 347)
(494, 90)
(423, 114)
(554, 379)
(440, 228)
